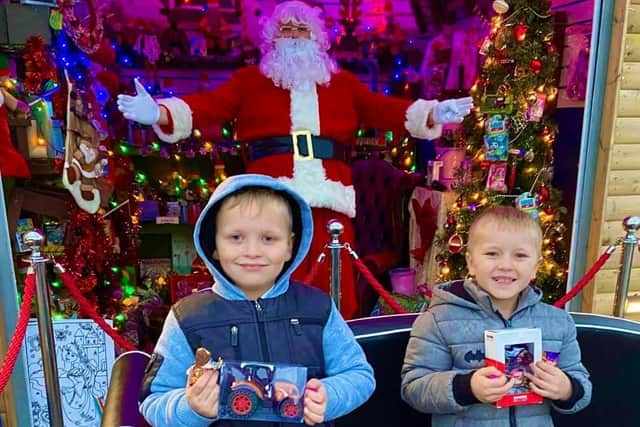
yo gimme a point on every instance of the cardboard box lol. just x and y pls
(512, 351)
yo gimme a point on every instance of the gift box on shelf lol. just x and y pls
(181, 286)
(149, 210)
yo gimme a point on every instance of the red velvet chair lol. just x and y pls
(381, 222)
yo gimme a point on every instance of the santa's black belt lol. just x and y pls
(303, 145)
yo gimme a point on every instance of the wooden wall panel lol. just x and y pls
(632, 48)
(622, 183)
(604, 305)
(630, 76)
(625, 157)
(633, 20)
(629, 103)
(627, 130)
(614, 262)
(620, 207)
(606, 281)
(611, 231)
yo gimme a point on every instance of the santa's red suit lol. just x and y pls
(12, 164)
(334, 111)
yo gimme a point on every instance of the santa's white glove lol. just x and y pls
(452, 110)
(1, 98)
(140, 108)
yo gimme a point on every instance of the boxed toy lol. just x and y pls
(512, 351)
(261, 391)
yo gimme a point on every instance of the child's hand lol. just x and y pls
(315, 402)
(550, 381)
(203, 394)
(488, 384)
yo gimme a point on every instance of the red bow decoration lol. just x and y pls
(426, 219)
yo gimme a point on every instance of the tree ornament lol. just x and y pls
(543, 194)
(551, 48)
(549, 210)
(529, 156)
(535, 66)
(520, 32)
(500, 6)
(455, 243)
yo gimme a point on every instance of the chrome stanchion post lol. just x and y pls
(630, 224)
(335, 228)
(45, 329)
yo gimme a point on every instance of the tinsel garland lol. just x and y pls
(39, 65)
(93, 245)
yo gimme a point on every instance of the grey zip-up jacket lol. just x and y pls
(447, 345)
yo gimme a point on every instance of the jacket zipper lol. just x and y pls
(261, 330)
(235, 341)
(295, 323)
(263, 337)
(512, 409)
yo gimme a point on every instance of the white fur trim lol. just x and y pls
(305, 111)
(310, 181)
(182, 120)
(416, 123)
(75, 189)
(309, 177)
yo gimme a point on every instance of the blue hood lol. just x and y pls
(204, 233)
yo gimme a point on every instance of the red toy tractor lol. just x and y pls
(258, 390)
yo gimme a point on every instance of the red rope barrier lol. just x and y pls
(378, 287)
(311, 277)
(586, 278)
(9, 363)
(69, 282)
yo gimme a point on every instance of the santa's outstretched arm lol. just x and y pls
(422, 118)
(174, 119)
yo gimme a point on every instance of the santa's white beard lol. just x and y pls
(297, 64)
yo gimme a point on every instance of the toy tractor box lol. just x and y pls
(512, 351)
(261, 391)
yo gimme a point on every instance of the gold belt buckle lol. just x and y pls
(296, 151)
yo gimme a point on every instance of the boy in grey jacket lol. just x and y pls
(444, 373)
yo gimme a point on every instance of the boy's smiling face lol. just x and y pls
(253, 242)
(503, 261)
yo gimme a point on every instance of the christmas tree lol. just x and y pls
(509, 140)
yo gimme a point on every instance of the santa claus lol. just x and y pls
(298, 114)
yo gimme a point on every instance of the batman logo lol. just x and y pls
(474, 356)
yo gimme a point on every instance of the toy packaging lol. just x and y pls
(512, 351)
(261, 391)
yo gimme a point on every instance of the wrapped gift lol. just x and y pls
(181, 286)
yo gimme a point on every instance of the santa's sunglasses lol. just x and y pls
(288, 30)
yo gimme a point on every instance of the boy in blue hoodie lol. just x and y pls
(444, 373)
(252, 234)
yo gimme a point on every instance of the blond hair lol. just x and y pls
(508, 217)
(259, 196)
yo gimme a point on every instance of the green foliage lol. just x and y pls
(521, 67)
